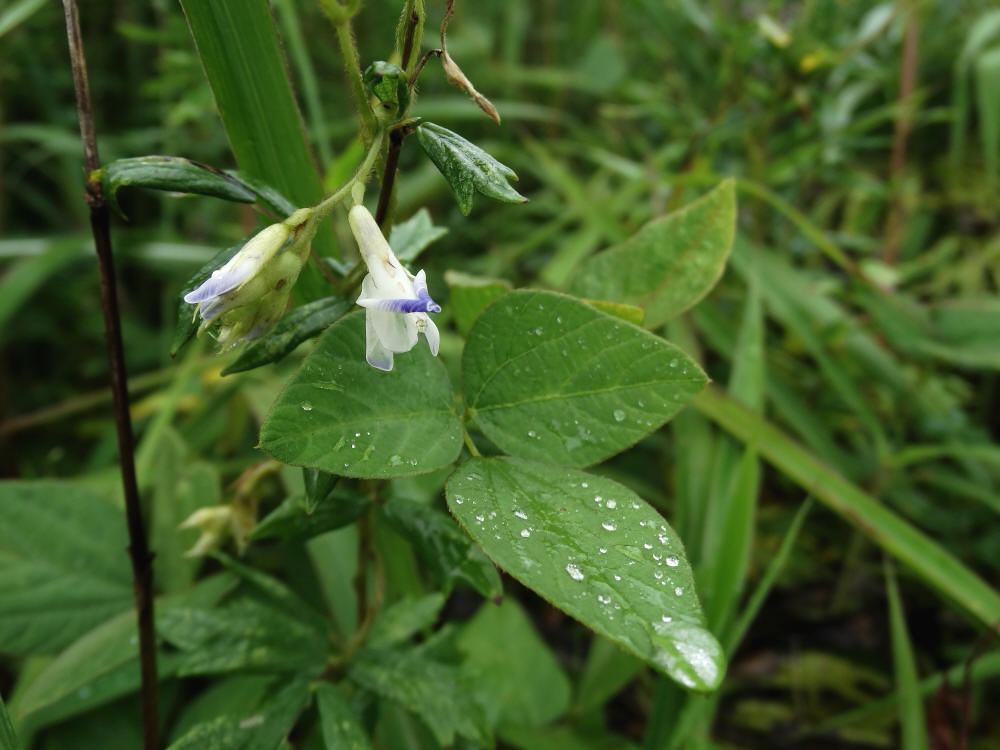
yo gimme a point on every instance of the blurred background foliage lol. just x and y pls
(868, 249)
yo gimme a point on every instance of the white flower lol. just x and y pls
(232, 285)
(396, 302)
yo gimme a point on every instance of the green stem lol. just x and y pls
(352, 64)
(322, 209)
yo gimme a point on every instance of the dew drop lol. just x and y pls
(611, 504)
(658, 575)
(584, 485)
(459, 500)
(521, 514)
(619, 415)
(665, 618)
(306, 406)
(538, 331)
(480, 518)
(672, 561)
(609, 525)
(603, 599)
(532, 433)
(574, 572)
(678, 590)
(617, 577)
(647, 545)
(603, 550)
(673, 363)
(525, 533)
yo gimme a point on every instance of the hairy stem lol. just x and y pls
(139, 552)
(352, 64)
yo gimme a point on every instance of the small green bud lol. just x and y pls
(388, 83)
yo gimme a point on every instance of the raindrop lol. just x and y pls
(525, 533)
(459, 500)
(617, 577)
(538, 331)
(532, 433)
(521, 514)
(678, 590)
(619, 415)
(647, 545)
(598, 499)
(603, 599)
(584, 485)
(609, 525)
(574, 572)
(611, 504)
(306, 406)
(673, 363)
(672, 561)
(658, 574)
(603, 550)
(666, 619)
(480, 518)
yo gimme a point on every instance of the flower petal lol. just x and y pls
(397, 332)
(399, 305)
(377, 355)
(430, 331)
(222, 280)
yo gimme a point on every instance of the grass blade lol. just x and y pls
(911, 708)
(929, 560)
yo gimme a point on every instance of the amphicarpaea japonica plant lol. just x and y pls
(552, 382)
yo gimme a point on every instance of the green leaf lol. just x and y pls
(171, 173)
(436, 692)
(670, 263)
(411, 237)
(450, 554)
(103, 665)
(404, 619)
(301, 324)
(240, 52)
(517, 678)
(467, 168)
(242, 635)
(225, 696)
(293, 520)
(342, 730)
(911, 704)
(266, 195)
(547, 376)
(629, 313)
(63, 565)
(187, 320)
(263, 728)
(928, 559)
(341, 415)
(597, 551)
(470, 295)
(608, 669)
(8, 738)
(319, 486)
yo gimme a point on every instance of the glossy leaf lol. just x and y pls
(517, 678)
(342, 730)
(467, 168)
(341, 415)
(294, 520)
(548, 376)
(62, 570)
(434, 691)
(470, 295)
(597, 551)
(670, 263)
(266, 195)
(171, 173)
(442, 546)
(409, 238)
(301, 324)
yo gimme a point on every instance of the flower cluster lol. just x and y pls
(396, 302)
